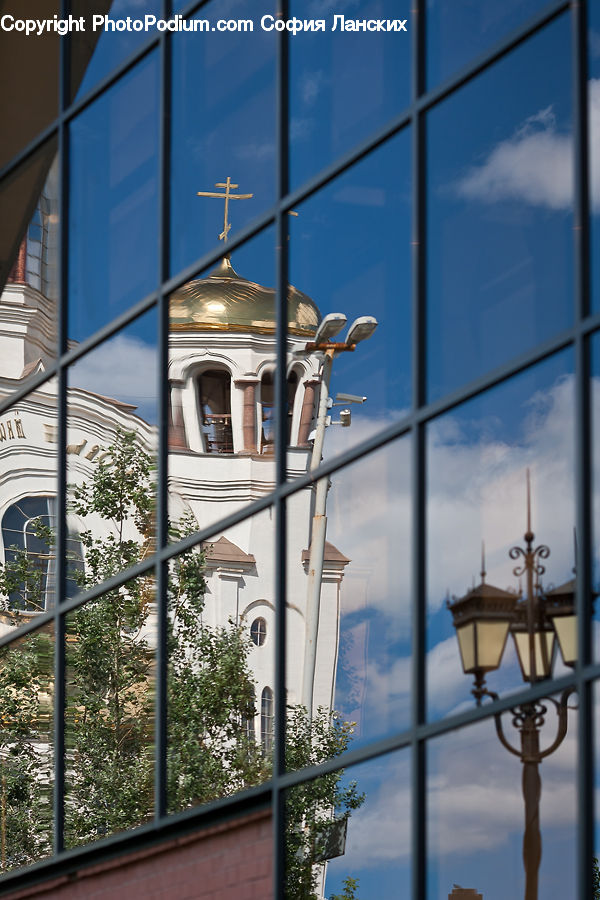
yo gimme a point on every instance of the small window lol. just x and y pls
(266, 720)
(292, 385)
(258, 631)
(30, 526)
(215, 405)
(267, 405)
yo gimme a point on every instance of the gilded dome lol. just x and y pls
(223, 301)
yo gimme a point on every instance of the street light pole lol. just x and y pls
(482, 620)
(361, 329)
(317, 544)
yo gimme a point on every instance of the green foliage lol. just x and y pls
(25, 767)
(110, 699)
(596, 879)
(311, 806)
(350, 887)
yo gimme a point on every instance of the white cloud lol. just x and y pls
(123, 368)
(311, 85)
(535, 165)
(256, 151)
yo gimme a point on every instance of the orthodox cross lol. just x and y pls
(227, 196)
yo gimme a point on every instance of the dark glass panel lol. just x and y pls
(356, 613)
(104, 46)
(594, 143)
(348, 833)
(344, 84)
(350, 252)
(29, 268)
(220, 697)
(26, 743)
(478, 459)
(109, 717)
(113, 201)
(595, 416)
(223, 129)
(499, 212)
(29, 72)
(458, 32)
(476, 808)
(111, 449)
(221, 377)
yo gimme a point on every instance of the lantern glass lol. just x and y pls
(466, 643)
(491, 638)
(481, 645)
(544, 652)
(566, 632)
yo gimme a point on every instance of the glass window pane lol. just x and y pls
(594, 149)
(26, 745)
(458, 32)
(476, 807)
(499, 212)
(28, 505)
(113, 201)
(595, 457)
(223, 129)
(344, 84)
(479, 459)
(355, 611)
(103, 47)
(350, 252)
(111, 449)
(109, 717)
(348, 833)
(29, 71)
(221, 684)
(29, 269)
(221, 374)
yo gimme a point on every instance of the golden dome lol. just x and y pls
(223, 301)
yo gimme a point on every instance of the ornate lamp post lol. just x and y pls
(483, 619)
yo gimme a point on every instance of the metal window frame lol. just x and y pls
(413, 424)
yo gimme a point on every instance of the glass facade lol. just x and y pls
(299, 404)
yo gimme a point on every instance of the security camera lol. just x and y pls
(345, 418)
(349, 398)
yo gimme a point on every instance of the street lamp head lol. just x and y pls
(482, 619)
(361, 329)
(542, 639)
(560, 608)
(330, 325)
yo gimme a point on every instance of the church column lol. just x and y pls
(177, 438)
(248, 388)
(308, 411)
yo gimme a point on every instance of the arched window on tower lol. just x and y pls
(267, 407)
(37, 262)
(266, 720)
(28, 533)
(214, 387)
(292, 386)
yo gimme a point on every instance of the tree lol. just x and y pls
(110, 671)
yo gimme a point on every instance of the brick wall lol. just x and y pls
(230, 861)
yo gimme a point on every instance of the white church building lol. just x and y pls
(221, 367)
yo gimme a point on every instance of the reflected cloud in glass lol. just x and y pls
(348, 833)
(475, 812)
(358, 619)
(478, 457)
(499, 212)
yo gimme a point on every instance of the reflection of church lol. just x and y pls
(221, 377)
